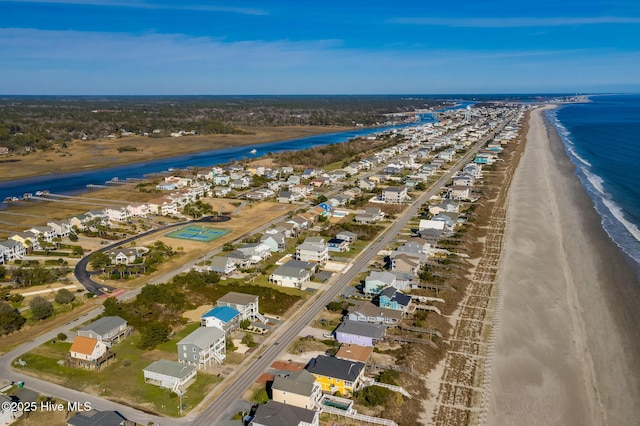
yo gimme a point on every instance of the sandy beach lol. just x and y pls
(569, 331)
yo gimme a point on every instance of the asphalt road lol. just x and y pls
(248, 372)
(289, 330)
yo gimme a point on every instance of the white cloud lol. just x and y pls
(74, 62)
(515, 22)
(136, 4)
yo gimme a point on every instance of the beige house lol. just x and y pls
(300, 389)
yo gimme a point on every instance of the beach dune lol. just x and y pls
(568, 334)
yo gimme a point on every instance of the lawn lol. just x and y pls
(121, 380)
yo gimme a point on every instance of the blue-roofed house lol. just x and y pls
(223, 317)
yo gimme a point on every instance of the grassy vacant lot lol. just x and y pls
(122, 380)
(86, 155)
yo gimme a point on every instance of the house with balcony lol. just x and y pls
(338, 245)
(313, 249)
(89, 353)
(203, 347)
(360, 333)
(275, 240)
(377, 280)
(108, 330)
(170, 374)
(246, 304)
(257, 252)
(336, 375)
(61, 228)
(391, 298)
(117, 214)
(364, 311)
(222, 265)
(274, 413)
(223, 317)
(12, 250)
(294, 274)
(395, 194)
(163, 206)
(28, 239)
(298, 388)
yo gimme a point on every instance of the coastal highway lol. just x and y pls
(288, 331)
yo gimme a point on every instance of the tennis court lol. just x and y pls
(198, 233)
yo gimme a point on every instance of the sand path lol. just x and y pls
(561, 355)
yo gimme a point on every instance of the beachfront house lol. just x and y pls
(360, 333)
(336, 375)
(377, 280)
(274, 413)
(363, 311)
(391, 298)
(298, 388)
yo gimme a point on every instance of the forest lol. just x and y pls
(40, 123)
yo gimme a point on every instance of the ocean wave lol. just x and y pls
(618, 213)
(596, 181)
(565, 136)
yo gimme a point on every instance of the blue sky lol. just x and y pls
(130, 47)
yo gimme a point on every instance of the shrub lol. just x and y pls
(41, 308)
(64, 296)
(373, 395)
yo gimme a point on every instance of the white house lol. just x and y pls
(246, 304)
(222, 265)
(293, 274)
(313, 250)
(170, 374)
(395, 194)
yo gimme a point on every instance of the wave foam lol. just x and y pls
(596, 181)
(618, 213)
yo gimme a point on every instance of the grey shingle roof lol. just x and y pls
(203, 337)
(104, 325)
(335, 367)
(96, 418)
(299, 383)
(170, 368)
(277, 414)
(358, 328)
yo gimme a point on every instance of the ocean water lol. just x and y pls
(602, 139)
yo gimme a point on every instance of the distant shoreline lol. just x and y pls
(103, 153)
